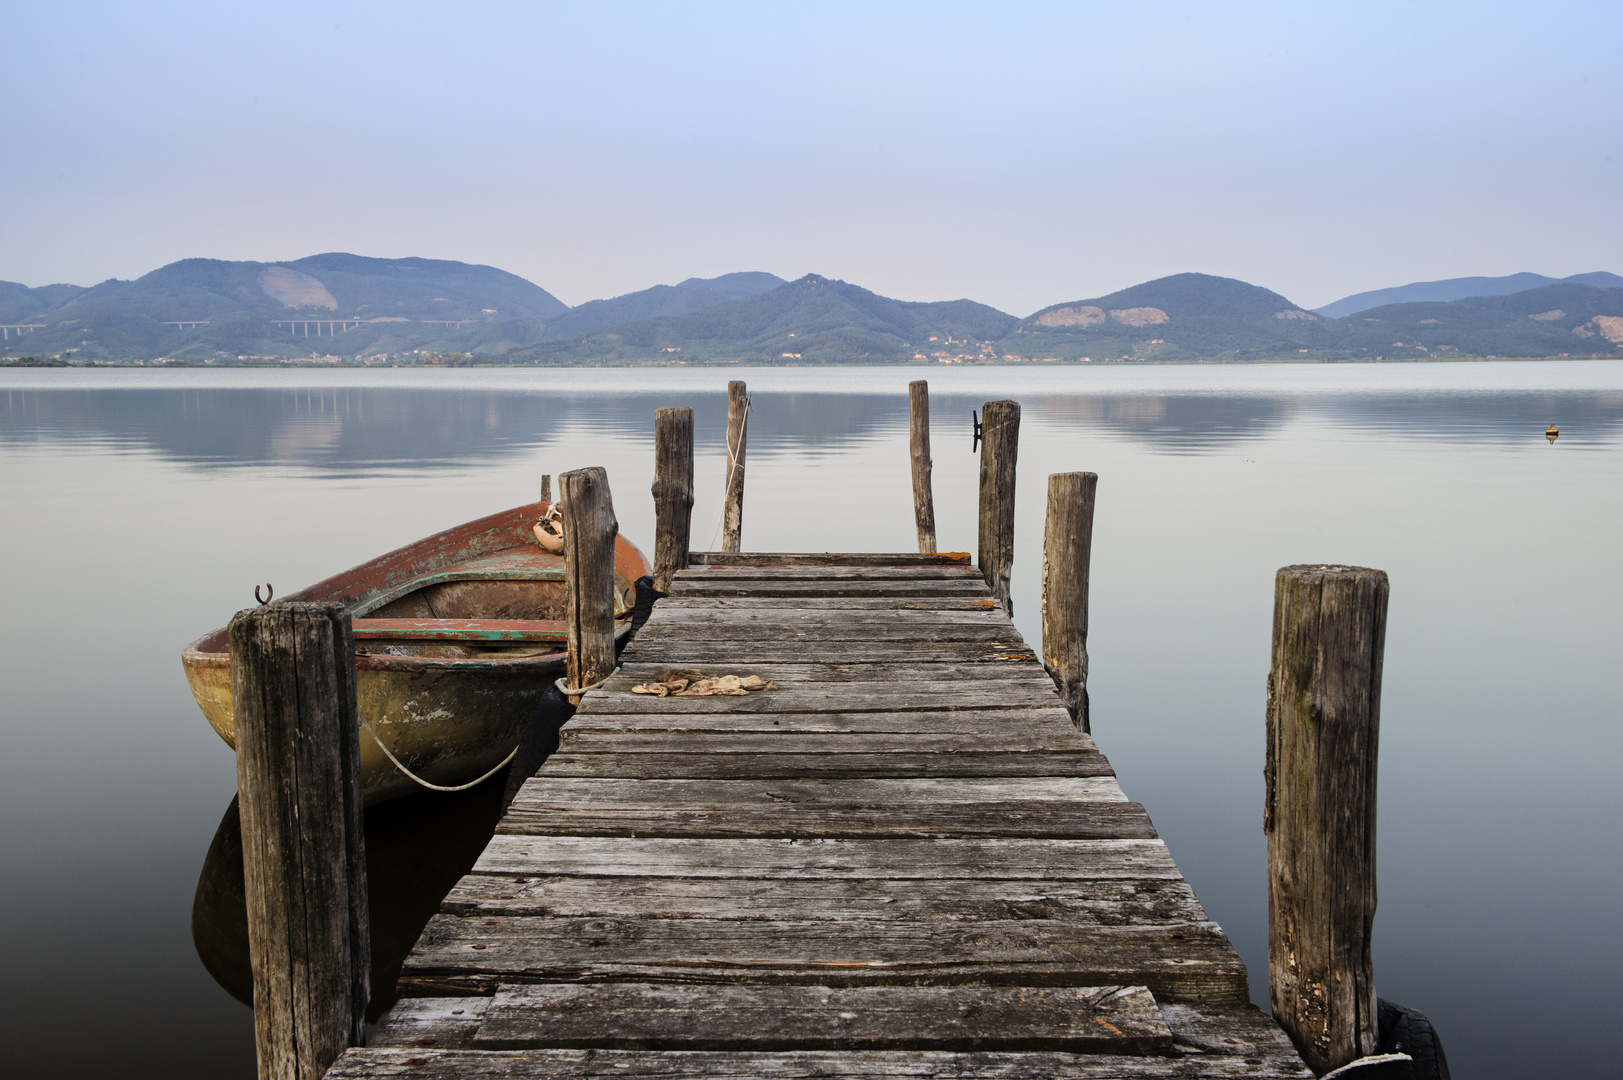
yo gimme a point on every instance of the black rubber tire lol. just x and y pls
(1405, 1031)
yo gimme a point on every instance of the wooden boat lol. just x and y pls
(457, 637)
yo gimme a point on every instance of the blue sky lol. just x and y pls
(1018, 154)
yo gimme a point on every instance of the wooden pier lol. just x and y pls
(907, 860)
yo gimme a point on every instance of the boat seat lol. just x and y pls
(477, 630)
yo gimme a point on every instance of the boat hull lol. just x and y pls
(449, 713)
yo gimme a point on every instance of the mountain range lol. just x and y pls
(409, 310)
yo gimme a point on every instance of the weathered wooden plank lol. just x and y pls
(1057, 820)
(983, 724)
(895, 860)
(378, 1064)
(1109, 902)
(827, 558)
(740, 655)
(832, 603)
(1192, 961)
(698, 742)
(548, 792)
(653, 1016)
(1211, 1032)
(872, 635)
(708, 608)
(944, 711)
(690, 619)
(878, 677)
(690, 587)
(947, 572)
(846, 766)
(461, 630)
(442, 1023)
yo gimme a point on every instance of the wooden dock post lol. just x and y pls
(738, 409)
(1067, 549)
(918, 400)
(304, 857)
(673, 493)
(589, 531)
(1324, 698)
(1000, 444)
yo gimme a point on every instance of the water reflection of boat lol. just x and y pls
(457, 638)
(416, 850)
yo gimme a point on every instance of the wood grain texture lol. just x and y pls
(304, 858)
(635, 765)
(655, 1016)
(442, 1023)
(1190, 962)
(1324, 694)
(802, 1065)
(1000, 446)
(732, 525)
(1067, 551)
(896, 860)
(918, 401)
(1101, 902)
(826, 558)
(924, 572)
(589, 531)
(673, 492)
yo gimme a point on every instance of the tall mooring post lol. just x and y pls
(1324, 705)
(918, 401)
(304, 857)
(738, 410)
(673, 493)
(1000, 444)
(1067, 549)
(589, 531)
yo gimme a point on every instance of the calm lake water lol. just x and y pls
(141, 507)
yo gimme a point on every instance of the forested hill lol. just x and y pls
(410, 310)
(812, 320)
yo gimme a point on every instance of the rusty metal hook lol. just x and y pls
(265, 601)
(975, 443)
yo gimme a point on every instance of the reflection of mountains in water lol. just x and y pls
(385, 429)
(417, 848)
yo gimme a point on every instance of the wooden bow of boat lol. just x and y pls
(457, 638)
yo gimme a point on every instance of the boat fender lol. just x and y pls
(539, 741)
(1405, 1031)
(644, 607)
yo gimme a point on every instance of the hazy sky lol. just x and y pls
(1015, 154)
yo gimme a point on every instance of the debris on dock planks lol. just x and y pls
(906, 861)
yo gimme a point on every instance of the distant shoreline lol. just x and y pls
(493, 365)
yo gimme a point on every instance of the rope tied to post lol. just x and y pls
(577, 691)
(732, 469)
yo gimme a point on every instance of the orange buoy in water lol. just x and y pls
(1552, 433)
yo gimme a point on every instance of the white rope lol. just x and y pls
(732, 470)
(425, 783)
(576, 691)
